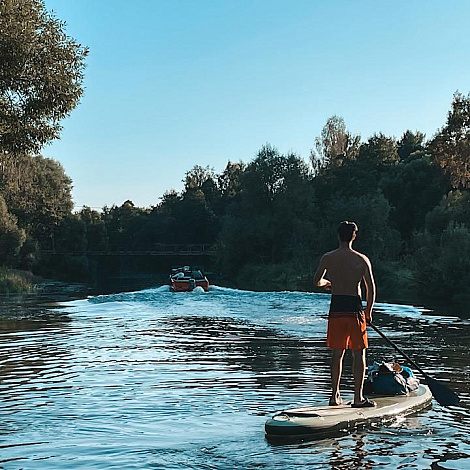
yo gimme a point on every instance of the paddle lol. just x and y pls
(443, 394)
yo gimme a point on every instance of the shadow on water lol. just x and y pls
(274, 357)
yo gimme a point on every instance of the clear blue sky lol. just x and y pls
(175, 83)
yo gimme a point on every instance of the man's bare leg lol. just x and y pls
(336, 370)
(359, 372)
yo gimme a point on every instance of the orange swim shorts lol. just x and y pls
(347, 332)
(347, 328)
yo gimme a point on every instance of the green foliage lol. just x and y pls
(263, 178)
(410, 143)
(335, 147)
(96, 233)
(282, 276)
(185, 218)
(121, 225)
(15, 282)
(72, 268)
(70, 235)
(371, 212)
(443, 262)
(397, 281)
(413, 188)
(38, 192)
(41, 74)
(450, 148)
(29, 254)
(379, 150)
(11, 237)
(229, 181)
(454, 207)
(268, 221)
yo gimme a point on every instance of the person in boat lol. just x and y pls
(342, 272)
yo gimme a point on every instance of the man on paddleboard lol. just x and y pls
(342, 271)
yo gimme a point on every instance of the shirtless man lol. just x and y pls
(342, 271)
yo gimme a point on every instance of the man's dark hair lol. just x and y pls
(346, 230)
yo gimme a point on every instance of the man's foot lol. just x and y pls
(336, 401)
(366, 403)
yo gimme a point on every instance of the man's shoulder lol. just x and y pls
(362, 256)
(329, 254)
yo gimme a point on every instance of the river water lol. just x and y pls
(160, 380)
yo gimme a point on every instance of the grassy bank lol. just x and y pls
(16, 282)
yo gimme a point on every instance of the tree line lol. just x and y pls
(268, 219)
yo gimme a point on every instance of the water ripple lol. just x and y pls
(153, 379)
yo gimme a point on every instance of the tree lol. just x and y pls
(335, 146)
(38, 192)
(410, 143)
(454, 207)
(41, 74)
(413, 187)
(11, 237)
(198, 177)
(378, 150)
(450, 148)
(443, 262)
(70, 235)
(196, 221)
(97, 239)
(263, 178)
(269, 221)
(122, 224)
(371, 212)
(205, 180)
(229, 180)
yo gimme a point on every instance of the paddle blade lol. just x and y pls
(443, 394)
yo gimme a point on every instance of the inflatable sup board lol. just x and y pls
(324, 420)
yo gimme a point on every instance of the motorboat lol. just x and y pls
(186, 279)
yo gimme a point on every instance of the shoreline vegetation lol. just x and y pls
(267, 221)
(17, 282)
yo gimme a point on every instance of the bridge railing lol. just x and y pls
(160, 249)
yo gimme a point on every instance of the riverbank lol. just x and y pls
(16, 282)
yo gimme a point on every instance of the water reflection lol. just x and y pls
(272, 356)
(151, 379)
(349, 454)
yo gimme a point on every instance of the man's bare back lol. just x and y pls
(342, 270)
(345, 269)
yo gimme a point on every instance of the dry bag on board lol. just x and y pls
(389, 378)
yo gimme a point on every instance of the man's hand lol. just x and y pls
(325, 283)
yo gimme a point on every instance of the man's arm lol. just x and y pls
(318, 278)
(370, 289)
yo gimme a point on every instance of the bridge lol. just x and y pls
(160, 249)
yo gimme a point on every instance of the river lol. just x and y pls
(160, 380)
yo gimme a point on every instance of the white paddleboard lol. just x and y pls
(323, 420)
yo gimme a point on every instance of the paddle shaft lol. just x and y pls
(389, 341)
